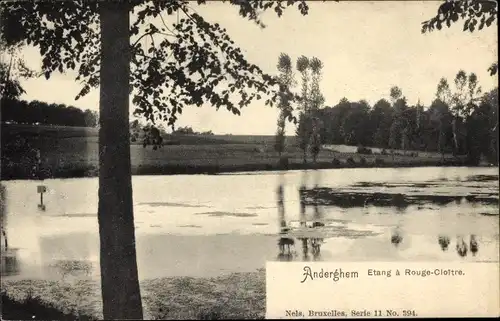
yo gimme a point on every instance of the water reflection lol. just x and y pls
(285, 243)
(310, 246)
(462, 246)
(474, 247)
(396, 237)
(444, 242)
(9, 256)
(236, 238)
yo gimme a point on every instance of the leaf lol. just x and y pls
(466, 24)
(47, 75)
(490, 20)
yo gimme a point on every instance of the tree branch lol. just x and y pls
(163, 21)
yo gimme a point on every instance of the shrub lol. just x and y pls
(364, 150)
(335, 162)
(362, 161)
(350, 161)
(383, 152)
(379, 161)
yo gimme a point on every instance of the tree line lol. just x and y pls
(38, 112)
(188, 130)
(461, 120)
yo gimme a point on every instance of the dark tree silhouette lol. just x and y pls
(36, 112)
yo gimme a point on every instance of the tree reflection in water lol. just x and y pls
(9, 256)
(303, 220)
(444, 242)
(462, 247)
(285, 244)
(474, 246)
(396, 237)
(317, 223)
(311, 246)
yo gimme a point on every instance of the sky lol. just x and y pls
(366, 48)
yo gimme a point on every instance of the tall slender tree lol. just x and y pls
(303, 130)
(286, 82)
(316, 103)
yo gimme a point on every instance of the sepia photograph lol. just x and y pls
(157, 154)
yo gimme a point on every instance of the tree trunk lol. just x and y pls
(119, 277)
(455, 135)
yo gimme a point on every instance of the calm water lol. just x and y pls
(200, 225)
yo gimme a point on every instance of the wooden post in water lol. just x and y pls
(41, 189)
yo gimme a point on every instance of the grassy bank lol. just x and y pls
(91, 170)
(238, 295)
(73, 152)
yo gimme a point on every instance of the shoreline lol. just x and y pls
(90, 170)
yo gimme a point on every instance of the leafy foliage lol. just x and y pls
(178, 58)
(286, 82)
(475, 14)
(12, 69)
(396, 93)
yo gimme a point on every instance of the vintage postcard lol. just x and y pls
(248, 159)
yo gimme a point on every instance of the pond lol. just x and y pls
(207, 225)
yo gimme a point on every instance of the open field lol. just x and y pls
(73, 152)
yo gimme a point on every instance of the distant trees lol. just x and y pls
(188, 130)
(37, 112)
(435, 128)
(381, 121)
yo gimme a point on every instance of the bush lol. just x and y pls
(379, 161)
(362, 161)
(383, 152)
(364, 150)
(350, 161)
(335, 162)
